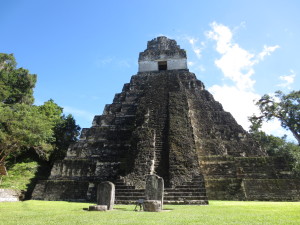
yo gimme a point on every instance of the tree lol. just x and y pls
(65, 129)
(25, 127)
(16, 84)
(65, 133)
(286, 108)
(52, 111)
(276, 146)
(21, 127)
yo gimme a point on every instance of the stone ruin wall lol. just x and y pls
(162, 49)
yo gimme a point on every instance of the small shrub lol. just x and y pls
(19, 176)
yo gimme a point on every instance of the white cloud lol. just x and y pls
(124, 63)
(195, 66)
(201, 68)
(190, 63)
(236, 65)
(192, 41)
(241, 104)
(238, 102)
(104, 62)
(222, 35)
(78, 113)
(266, 51)
(235, 62)
(195, 47)
(273, 127)
(288, 80)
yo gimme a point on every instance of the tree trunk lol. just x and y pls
(296, 135)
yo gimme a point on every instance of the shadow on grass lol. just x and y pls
(115, 208)
(132, 210)
(123, 209)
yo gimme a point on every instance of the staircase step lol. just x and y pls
(171, 194)
(130, 190)
(187, 186)
(166, 202)
(130, 194)
(125, 187)
(192, 192)
(130, 197)
(173, 198)
(186, 202)
(185, 190)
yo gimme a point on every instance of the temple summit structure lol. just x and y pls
(165, 122)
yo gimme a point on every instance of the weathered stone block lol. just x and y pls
(98, 208)
(106, 194)
(65, 190)
(9, 195)
(152, 206)
(154, 188)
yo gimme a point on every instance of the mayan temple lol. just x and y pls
(165, 122)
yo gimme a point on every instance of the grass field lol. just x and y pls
(218, 212)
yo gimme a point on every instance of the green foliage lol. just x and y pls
(218, 212)
(52, 111)
(286, 108)
(16, 84)
(19, 176)
(66, 132)
(29, 132)
(276, 146)
(21, 127)
(24, 126)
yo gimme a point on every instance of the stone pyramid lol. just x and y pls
(165, 122)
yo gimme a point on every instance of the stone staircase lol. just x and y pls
(188, 193)
(192, 192)
(158, 148)
(126, 194)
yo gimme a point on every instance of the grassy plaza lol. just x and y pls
(217, 212)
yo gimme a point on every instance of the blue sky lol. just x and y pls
(84, 51)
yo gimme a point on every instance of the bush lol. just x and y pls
(20, 176)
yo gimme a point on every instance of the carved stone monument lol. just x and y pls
(106, 194)
(154, 191)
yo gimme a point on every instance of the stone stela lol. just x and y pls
(165, 122)
(154, 193)
(106, 194)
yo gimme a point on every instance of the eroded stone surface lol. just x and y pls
(98, 208)
(154, 188)
(106, 194)
(9, 195)
(152, 206)
(162, 53)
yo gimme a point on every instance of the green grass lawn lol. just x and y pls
(218, 212)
